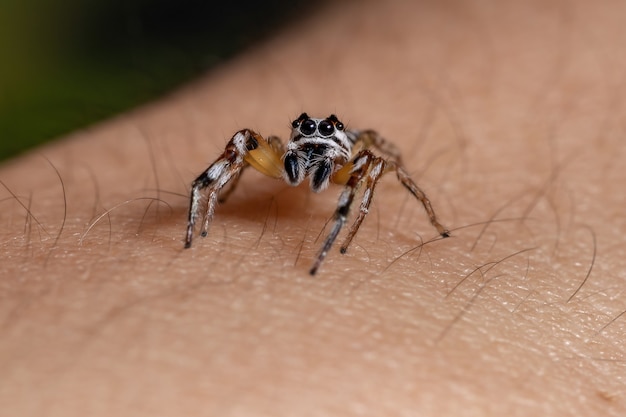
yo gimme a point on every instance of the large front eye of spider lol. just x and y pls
(326, 128)
(307, 127)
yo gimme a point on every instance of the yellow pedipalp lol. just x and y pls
(342, 176)
(265, 159)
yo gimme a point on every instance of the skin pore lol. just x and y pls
(509, 116)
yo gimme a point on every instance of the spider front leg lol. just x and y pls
(245, 148)
(357, 169)
(375, 173)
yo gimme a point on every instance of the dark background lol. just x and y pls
(68, 63)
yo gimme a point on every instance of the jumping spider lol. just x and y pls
(321, 149)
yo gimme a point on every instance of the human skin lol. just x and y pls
(510, 115)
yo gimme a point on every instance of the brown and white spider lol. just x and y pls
(321, 149)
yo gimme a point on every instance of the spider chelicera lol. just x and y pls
(321, 149)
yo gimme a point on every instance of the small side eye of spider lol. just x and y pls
(319, 149)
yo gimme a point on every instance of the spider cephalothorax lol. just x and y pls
(316, 147)
(321, 149)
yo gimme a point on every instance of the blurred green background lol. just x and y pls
(65, 64)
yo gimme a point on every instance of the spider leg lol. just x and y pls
(215, 177)
(371, 138)
(245, 148)
(410, 185)
(376, 171)
(358, 169)
(232, 184)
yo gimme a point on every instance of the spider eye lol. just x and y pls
(333, 119)
(299, 120)
(326, 128)
(307, 127)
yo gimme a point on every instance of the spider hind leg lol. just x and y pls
(372, 139)
(417, 192)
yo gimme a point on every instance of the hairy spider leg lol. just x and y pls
(410, 185)
(358, 169)
(371, 138)
(376, 171)
(215, 177)
(228, 189)
(245, 148)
